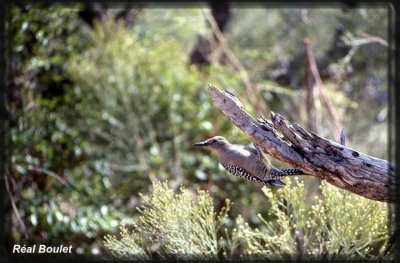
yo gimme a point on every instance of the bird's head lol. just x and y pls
(214, 143)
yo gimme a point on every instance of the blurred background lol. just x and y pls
(105, 100)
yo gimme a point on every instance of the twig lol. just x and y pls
(337, 125)
(250, 89)
(343, 137)
(312, 104)
(368, 39)
(231, 56)
(15, 209)
(349, 56)
(63, 181)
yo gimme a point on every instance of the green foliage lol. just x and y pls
(42, 42)
(126, 246)
(144, 106)
(338, 224)
(49, 148)
(183, 224)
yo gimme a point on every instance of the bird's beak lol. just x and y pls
(201, 144)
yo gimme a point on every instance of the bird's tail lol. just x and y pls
(276, 173)
(276, 183)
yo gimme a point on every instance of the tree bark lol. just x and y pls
(343, 167)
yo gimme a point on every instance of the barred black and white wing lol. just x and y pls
(241, 173)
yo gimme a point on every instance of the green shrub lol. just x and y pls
(339, 224)
(185, 224)
(144, 106)
(169, 223)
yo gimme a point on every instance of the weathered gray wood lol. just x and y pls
(343, 167)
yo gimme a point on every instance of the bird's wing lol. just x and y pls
(260, 154)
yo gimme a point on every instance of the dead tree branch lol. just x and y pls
(343, 167)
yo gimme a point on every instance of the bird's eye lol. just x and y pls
(214, 141)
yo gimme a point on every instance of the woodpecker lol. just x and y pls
(247, 162)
